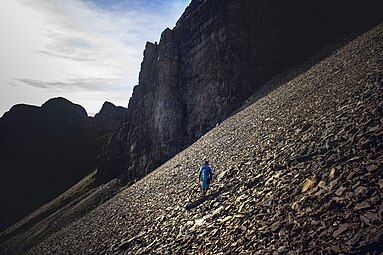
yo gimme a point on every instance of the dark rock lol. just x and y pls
(362, 205)
(340, 230)
(372, 168)
(361, 191)
(109, 118)
(44, 151)
(369, 218)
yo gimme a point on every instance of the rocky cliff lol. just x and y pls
(45, 150)
(297, 172)
(219, 54)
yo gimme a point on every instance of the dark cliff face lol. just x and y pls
(44, 151)
(217, 56)
(109, 118)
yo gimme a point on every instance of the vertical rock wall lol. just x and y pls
(218, 55)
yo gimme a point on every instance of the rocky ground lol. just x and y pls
(58, 213)
(297, 172)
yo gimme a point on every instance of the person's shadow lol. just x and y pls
(202, 200)
(221, 190)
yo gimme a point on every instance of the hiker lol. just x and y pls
(205, 175)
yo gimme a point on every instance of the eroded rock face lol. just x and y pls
(217, 56)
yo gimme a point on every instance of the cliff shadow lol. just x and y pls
(287, 75)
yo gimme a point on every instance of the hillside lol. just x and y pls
(297, 172)
(46, 150)
(218, 55)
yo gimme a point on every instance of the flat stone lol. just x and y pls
(217, 211)
(332, 173)
(372, 168)
(379, 133)
(340, 191)
(199, 222)
(307, 185)
(380, 183)
(369, 217)
(362, 205)
(360, 190)
(373, 129)
(240, 198)
(336, 248)
(322, 184)
(227, 218)
(341, 229)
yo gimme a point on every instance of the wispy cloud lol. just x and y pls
(77, 46)
(87, 84)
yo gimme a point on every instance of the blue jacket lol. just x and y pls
(205, 170)
(206, 175)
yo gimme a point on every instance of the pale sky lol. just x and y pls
(88, 51)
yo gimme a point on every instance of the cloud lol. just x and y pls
(77, 46)
(87, 84)
(66, 56)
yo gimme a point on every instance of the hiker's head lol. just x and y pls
(206, 162)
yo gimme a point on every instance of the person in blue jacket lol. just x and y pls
(205, 175)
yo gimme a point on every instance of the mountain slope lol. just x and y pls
(35, 140)
(298, 171)
(45, 150)
(219, 53)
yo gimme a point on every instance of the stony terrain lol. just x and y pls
(219, 54)
(297, 172)
(80, 199)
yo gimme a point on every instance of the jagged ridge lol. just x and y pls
(322, 130)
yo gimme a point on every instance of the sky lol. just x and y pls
(88, 51)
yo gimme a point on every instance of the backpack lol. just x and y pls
(205, 170)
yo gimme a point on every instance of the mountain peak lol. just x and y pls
(110, 116)
(63, 105)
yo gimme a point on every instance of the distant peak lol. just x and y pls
(63, 103)
(108, 104)
(20, 108)
(56, 101)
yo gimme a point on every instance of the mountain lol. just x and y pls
(298, 171)
(45, 150)
(218, 55)
(221, 56)
(109, 118)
